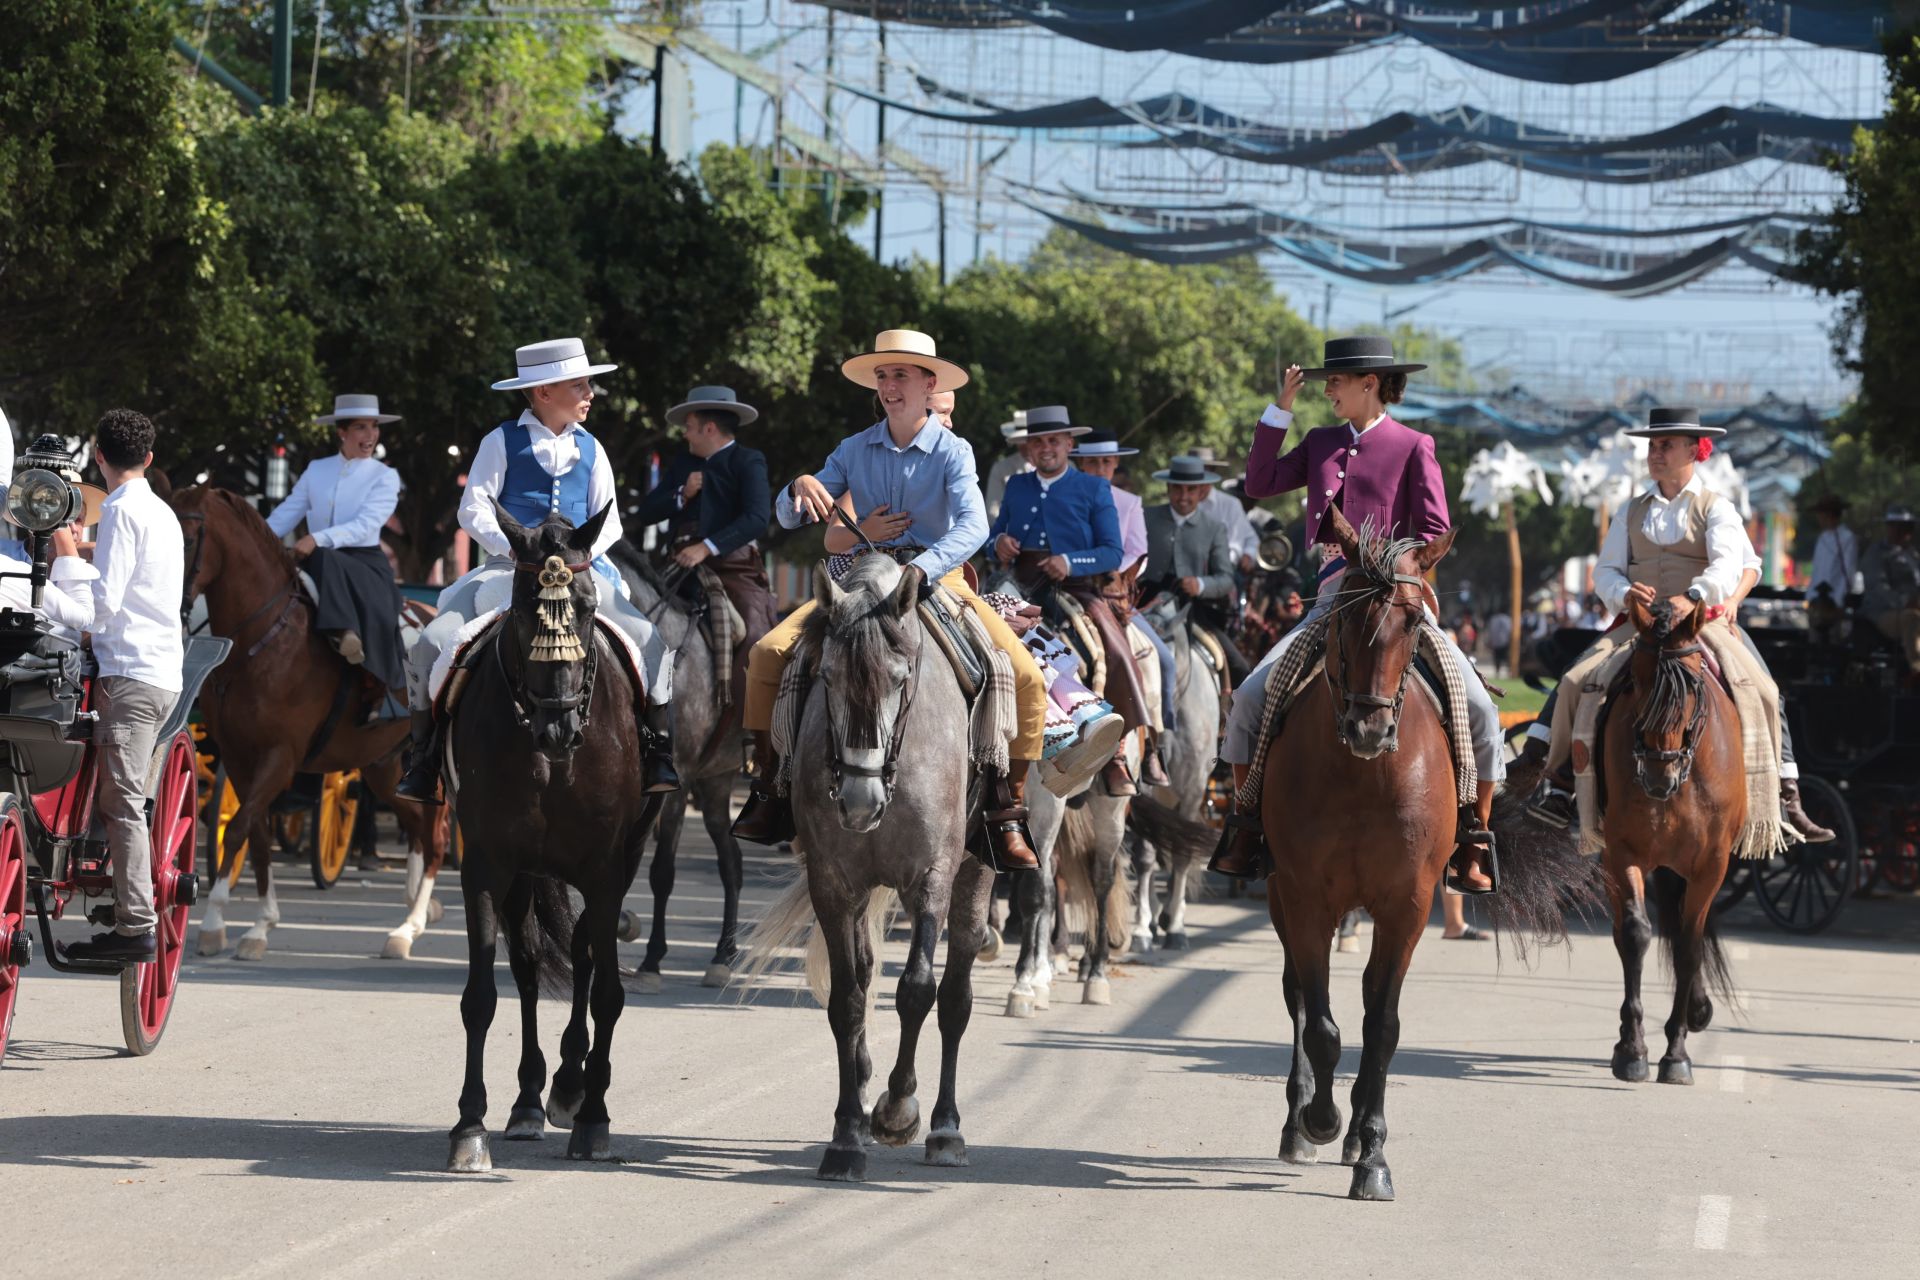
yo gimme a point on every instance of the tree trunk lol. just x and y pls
(1514, 587)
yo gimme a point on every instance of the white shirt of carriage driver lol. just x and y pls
(141, 559)
(1729, 550)
(557, 452)
(67, 601)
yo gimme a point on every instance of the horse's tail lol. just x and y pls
(1074, 852)
(1669, 891)
(1543, 876)
(1172, 833)
(788, 926)
(546, 932)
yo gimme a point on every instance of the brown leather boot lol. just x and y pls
(1007, 820)
(1804, 827)
(1153, 770)
(766, 818)
(1466, 872)
(1119, 781)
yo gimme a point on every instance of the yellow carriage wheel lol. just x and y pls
(214, 821)
(333, 838)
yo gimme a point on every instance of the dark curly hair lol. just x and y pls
(123, 438)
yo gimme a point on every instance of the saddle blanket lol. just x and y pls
(469, 639)
(1756, 701)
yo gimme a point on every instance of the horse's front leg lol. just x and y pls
(1144, 871)
(528, 1120)
(429, 830)
(1103, 873)
(715, 798)
(570, 1081)
(1173, 920)
(592, 1128)
(1030, 890)
(972, 891)
(1632, 934)
(1393, 944)
(468, 1151)
(666, 848)
(253, 943)
(1313, 1118)
(896, 1116)
(845, 1159)
(1691, 1008)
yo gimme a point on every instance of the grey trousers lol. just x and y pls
(131, 713)
(459, 604)
(1243, 719)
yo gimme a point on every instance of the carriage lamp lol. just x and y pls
(41, 500)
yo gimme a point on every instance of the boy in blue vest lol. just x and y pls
(540, 464)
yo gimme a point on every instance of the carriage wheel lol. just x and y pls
(147, 990)
(1803, 890)
(16, 944)
(333, 834)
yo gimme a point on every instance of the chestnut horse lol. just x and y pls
(1674, 732)
(1359, 806)
(282, 703)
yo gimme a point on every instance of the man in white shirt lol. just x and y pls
(1013, 464)
(140, 563)
(1836, 558)
(346, 500)
(540, 464)
(67, 599)
(1243, 539)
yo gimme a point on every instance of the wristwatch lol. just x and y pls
(1696, 595)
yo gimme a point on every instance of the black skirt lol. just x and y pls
(358, 594)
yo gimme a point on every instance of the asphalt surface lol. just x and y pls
(293, 1121)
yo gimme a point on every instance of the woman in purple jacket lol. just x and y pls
(1376, 470)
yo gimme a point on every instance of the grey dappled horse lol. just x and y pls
(707, 759)
(1172, 823)
(881, 802)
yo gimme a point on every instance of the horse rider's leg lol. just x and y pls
(657, 773)
(1490, 762)
(570, 1081)
(715, 793)
(528, 1120)
(1159, 678)
(1632, 933)
(458, 604)
(841, 925)
(592, 1129)
(1394, 937)
(660, 876)
(468, 1141)
(1692, 1009)
(966, 929)
(1243, 845)
(1313, 1117)
(1798, 821)
(896, 1116)
(767, 818)
(1007, 818)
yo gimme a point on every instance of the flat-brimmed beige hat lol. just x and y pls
(904, 346)
(357, 409)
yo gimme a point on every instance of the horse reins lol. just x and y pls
(289, 593)
(1345, 699)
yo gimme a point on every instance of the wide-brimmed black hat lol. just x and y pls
(1367, 354)
(1049, 420)
(1101, 443)
(1674, 422)
(1187, 469)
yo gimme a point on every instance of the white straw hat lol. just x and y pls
(357, 408)
(904, 346)
(542, 363)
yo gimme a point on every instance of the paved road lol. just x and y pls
(292, 1124)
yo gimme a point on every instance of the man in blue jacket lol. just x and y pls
(1058, 528)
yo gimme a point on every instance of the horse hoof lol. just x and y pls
(469, 1154)
(895, 1123)
(840, 1164)
(1317, 1136)
(561, 1110)
(526, 1124)
(1371, 1182)
(213, 941)
(1019, 1005)
(1043, 996)
(1142, 942)
(1633, 1070)
(990, 949)
(946, 1149)
(629, 930)
(1676, 1071)
(1174, 940)
(1295, 1149)
(717, 975)
(646, 982)
(435, 912)
(1348, 944)
(398, 946)
(251, 949)
(1097, 991)
(591, 1140)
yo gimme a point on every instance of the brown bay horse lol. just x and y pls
(1375, 831)
(283, 702)
(1675, 787)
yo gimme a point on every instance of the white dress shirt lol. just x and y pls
(557, 453)
(1242, 537)
(136, 598)
(345, 502)
(66, 602)
(1836, 562)
(1729, 550)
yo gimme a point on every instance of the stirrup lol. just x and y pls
(1489, 863)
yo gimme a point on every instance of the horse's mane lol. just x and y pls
(1675, 683)
(250, 520)
(1378, 553)
(869, 632)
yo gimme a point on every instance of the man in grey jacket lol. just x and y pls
(1188, 555)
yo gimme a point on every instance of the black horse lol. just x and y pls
(545, 747)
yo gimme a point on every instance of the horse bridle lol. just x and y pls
(890, 764)
(518, 695)
(1643, 755)
(1344, 699)
(289, 593)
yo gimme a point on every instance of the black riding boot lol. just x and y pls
(766, 818)
(422, 779)
(657, 769)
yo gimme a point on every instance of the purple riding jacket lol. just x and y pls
(1388, 474)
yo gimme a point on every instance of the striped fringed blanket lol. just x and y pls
(1302, 660)
(725, 630)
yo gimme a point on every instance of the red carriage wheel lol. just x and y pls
(147, 990)
(16, 945)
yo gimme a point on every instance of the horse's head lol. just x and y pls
(548, 649)
(1670, 684)
(221, 537)
(869, 661)
(1370, 633)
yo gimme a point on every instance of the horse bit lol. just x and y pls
(1373, 701)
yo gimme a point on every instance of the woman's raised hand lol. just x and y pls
(1291, 380)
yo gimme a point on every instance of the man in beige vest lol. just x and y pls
(1678, 538)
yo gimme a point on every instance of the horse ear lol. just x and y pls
(583, 538)
(906, 593)
(826, 592)
(1343, 533)
(1434, 552)
(1696, 618)
(518, 537)
(1641, 616)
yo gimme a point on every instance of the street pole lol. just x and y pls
(880, 151)
(1513, 585)
(940, 198)
(282, 52)
(659, 96)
